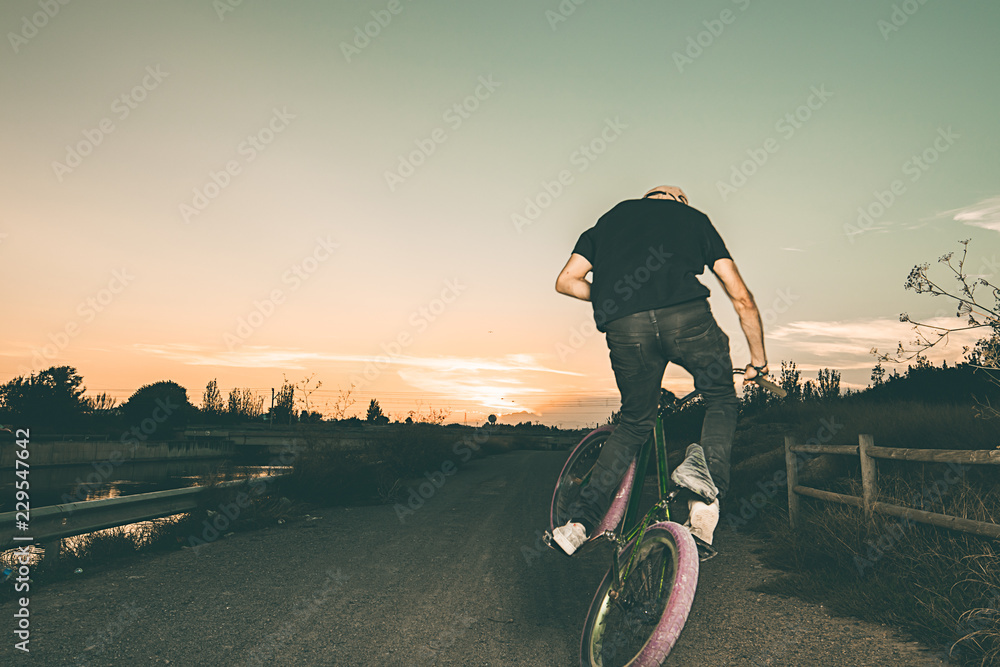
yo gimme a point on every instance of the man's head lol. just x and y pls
(667, 192)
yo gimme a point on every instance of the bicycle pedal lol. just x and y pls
(547, 539)
(705, 550)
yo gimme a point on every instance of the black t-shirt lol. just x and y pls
(646, 254)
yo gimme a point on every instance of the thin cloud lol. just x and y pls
(985, 214)
(499, 384)
(847, 344)
(263, 356)
(882, 227)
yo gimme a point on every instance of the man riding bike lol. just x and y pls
(645, 255)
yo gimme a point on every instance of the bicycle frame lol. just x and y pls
(631, 530)
(669, 403)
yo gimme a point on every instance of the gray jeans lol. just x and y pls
(641, 346)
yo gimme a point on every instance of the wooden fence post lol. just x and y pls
(869, 476)
(792, 477)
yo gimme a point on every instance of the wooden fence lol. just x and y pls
(869, 481)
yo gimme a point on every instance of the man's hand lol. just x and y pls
(572, 280)
(751, 373)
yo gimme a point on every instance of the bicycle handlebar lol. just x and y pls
(668, 398)
(763, 382)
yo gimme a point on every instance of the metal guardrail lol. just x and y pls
(868, 452)
(55, 522)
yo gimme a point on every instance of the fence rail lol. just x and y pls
(868, 452)
(54, 522)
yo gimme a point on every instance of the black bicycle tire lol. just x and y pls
(668, 627)
(619, 502)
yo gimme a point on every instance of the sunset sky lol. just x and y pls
(384, 192)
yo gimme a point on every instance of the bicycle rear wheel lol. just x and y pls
(575, 475)
(641, 625)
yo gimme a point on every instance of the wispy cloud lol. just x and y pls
(847, 344)
(497, 383)
(879, 227)
(985, 214)
(264, 356)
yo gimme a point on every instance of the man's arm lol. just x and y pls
(572, 280)
(727, 273)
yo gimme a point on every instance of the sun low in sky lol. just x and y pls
(381, 194)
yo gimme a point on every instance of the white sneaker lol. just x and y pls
(570, 537)
(704, 518)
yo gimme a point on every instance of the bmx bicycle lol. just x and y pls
(643, 602)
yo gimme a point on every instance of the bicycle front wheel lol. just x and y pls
(638, 626)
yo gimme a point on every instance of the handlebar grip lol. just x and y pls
(770, 386)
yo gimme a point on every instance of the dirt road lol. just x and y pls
(456, 581)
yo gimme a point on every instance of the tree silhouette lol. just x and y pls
(244, 405)
(375, 415)
(49, 400)
(972, 308)
(283, 410)
(100, 403)
(161, 407)
(211, 401)
(789, 381)
(829, 384)
(809, 391)
(878, 375)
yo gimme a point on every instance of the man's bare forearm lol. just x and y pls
(575, 287)
(753, 329)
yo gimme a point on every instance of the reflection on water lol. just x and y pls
(65, 484)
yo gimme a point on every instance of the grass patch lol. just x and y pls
(942, 586)
(325, 473)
